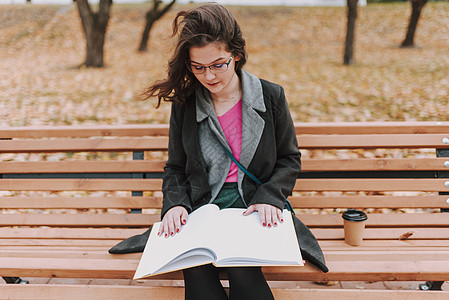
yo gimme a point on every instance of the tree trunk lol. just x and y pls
(350, 32)
(417, 6)
(152, 16)
(146, 32)
(94, 26)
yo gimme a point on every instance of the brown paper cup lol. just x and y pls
(354, 226)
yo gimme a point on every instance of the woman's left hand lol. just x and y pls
(269, 215)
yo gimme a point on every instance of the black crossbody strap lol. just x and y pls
(250, 175)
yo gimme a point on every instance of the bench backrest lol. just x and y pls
(98, 176)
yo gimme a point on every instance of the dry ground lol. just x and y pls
(299, 48)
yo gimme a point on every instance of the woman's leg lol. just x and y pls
(247, 283)
(203, 283)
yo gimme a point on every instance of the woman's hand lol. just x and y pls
(269, 215)
(173, 219)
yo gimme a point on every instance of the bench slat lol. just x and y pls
(408, 127)
(388, 255)
(31, 167)
(393, 244)
(57, 248)
(380, 220)
(328, 246)
(365, 270)
(80, 202)
(390, 184)
(331, 255)
(79, 220)
(109, 292)
(372, 164)
(124, 269)
(84, 145)
(367, 141)
(83, 131)
(371, 127)
(76, 292)
(143, 220)
(298, 202)
(122, 233)
(59, 242)
(308, 165)
(69, 233)
(340, 184)
(364, 201)
(80, 184)
(86, 252)
(386, 233)
(405, 141)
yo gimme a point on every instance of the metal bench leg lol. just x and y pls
(137, 156)
(15, 280)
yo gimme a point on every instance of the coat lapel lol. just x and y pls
(252, 122)
(210, 132)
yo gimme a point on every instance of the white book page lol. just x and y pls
(246, 242)
(160, 251)
(225, 237)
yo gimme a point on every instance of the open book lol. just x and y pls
(222, 237)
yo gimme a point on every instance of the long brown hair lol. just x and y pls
(209, 23)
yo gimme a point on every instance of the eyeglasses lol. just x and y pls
(215, 68)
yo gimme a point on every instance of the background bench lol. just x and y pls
(70, 193)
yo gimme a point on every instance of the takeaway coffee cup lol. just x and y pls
(354, 225)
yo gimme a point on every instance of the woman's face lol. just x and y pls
(215, 56)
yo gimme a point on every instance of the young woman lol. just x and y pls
(216, 104)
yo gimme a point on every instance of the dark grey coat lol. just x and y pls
(195, 171)
(269, 149)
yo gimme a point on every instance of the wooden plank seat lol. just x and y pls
(69, 193)
(75, 292)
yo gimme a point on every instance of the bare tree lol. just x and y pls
(94, 26)
(417, 6)
(154, 14)
(350, 32)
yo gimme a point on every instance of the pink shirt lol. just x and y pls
(231, 123)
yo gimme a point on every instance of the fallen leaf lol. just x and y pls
(406, 235)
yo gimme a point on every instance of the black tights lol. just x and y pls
(245, 283)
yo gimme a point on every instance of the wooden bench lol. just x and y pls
(70, 193)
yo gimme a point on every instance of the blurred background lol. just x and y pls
(45, 77)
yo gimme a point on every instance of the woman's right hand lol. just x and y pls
(173, 219)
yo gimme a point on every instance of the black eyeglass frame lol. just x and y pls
(212, 67)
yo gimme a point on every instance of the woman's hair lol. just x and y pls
(198, 27)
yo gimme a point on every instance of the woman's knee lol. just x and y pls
(200, 272)
(245, 273)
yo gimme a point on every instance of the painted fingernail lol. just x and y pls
(263, 224)
(282, 220)
(275, 224)
(184, 221)
(269, 225)
(177, 230)
(172, 234)
(166, 235)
